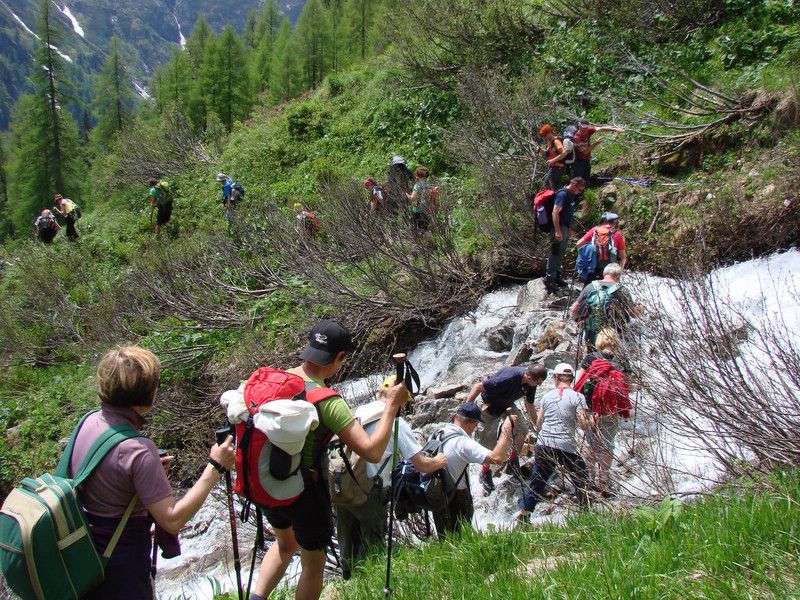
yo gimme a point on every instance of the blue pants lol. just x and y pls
(547, 458)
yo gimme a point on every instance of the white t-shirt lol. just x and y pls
(407, 446)
(460, 452)
(560, 417)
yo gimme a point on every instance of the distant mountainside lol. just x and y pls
(149, 30)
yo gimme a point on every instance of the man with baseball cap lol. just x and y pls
(608, 245)
(558, 413)
(461, 450)
(582, 167)
(306, 522)
(358, 527)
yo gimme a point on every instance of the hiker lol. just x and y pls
(461, 451)
(604, 383)
(499, 393)
(307, 222)
(306, 522)
(557, 413)
(127, 381)
(399, 180)
(563, 215)
(160, 198)
(376, 199)
(424, 199)
(582, 167)
(71, 213)
(225, 196)
(558, 153)
(45, 227)
(359, 527)
(604, 303)
(603, 244)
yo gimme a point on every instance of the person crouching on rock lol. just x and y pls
(499, 393)
(558, 412)
(133, 475)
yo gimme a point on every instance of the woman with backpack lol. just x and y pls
(71, 213)
(45, 227)
(132, 480)
(603, 381)
(424, 199)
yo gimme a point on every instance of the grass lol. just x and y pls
(734, 544)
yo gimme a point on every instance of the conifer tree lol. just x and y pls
(285, 75)
(249, 32)
(46, 138)
(113, 101)
(268, 22)
(233, 102)
(314, 37)
(199, 46)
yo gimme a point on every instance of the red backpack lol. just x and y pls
(265, 473)
(606, 388)
(543, 204)
(603, 240)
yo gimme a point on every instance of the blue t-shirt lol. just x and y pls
(504, 388)
(566, 200)
(226, 189)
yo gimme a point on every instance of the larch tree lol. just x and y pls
(232, 75)
(113, 101)
(285, 71)
(314, 37)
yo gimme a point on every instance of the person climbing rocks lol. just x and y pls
(559, 154)
(603, 381)
(71, 213)
(424, 200)
(399, 180)
(563, 215)
(498, 394)
(603, 244)
(604, 303)
(557, 414)
(582, 167)
(134, 474)
(308, 223)
(461, 451)
(306, 522)
(363, 526)
(45, 227)
(161, 199)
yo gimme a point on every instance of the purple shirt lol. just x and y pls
(132, 467)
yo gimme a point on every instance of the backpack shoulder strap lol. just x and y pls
(612, 288)
(62, 470)
(102, 446)
(318, 394)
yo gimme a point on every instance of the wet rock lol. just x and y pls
(432, 410)
(542, 356)
(14, 435)
(554, 335)
(520, 355)
(531, 296)
(563, 346)
(500, 339)
(445, 392)
(558, 357)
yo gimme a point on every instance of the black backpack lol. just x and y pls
(415, 491)
(238, 187)
(569, 134)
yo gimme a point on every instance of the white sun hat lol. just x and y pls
(286, 423)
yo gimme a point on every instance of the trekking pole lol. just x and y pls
(400, 373)
(571, 292)
(222, 435)
(578, 349)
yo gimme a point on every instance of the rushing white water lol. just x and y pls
(181, 38)
(765, 288)
(142, 91)
(76, 27)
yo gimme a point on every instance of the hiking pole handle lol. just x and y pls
(399, 367)
(221, 435)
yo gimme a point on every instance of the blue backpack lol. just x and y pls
(586, 262)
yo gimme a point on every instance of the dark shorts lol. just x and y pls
(310, 516)
(164, 214)
(47, 235)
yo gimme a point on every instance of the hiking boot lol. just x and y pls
(551, 286)
(522, 520)
(562, 283)
(487, 482)
(513, 468)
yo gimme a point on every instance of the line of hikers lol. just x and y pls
(283, 423)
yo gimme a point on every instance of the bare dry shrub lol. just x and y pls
(725, 375)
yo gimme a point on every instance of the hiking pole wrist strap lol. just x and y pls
(222, 470)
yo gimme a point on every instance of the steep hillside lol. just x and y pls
(149, 30)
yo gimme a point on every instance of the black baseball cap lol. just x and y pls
(326, 340)
(470, 410)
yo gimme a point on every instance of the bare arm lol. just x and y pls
(428, 464)
(612, 128)
(498, 455)
(412, 196)
(172, 515)
(531, 414)
(557, 222)
(476, 390)
(623, 258)
(575, 310)
(371, 448)
(539, 419)
(584, 420)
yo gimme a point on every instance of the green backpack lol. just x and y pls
(598, 302)
(46, 548)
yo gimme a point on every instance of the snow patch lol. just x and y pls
(142, 91)
(76, 27)
(181, 38)
(28, 29)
